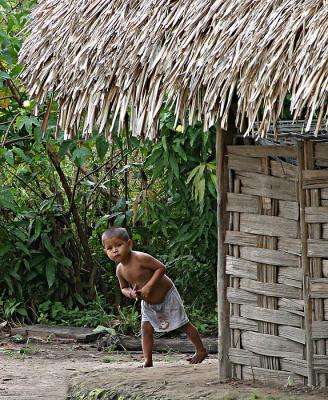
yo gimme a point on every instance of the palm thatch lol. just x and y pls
(101, 57)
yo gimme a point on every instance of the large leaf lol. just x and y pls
(9, 156)
(101, 146)
(80, 155)
(51, 272)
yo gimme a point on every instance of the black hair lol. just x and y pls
(122, 233)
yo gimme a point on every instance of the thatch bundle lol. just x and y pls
(101, 57)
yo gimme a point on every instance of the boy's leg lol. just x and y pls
(147, 343)
(193, 335)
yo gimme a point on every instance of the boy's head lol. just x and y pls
(121, 233)
(117, 244)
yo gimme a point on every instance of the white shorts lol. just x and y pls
(166, 316)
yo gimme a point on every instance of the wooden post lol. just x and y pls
(305, 268)
(222, 279)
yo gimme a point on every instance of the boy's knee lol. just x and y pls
(146, 328)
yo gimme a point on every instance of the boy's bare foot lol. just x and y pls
(198, 357)
(146, 364)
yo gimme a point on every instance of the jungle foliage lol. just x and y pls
(57, 196)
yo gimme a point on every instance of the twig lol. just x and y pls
(8, 129)
(27, 137)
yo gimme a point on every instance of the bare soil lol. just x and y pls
(59, 371)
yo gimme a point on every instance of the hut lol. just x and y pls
(232, 64)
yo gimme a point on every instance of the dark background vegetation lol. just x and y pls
(57, 196)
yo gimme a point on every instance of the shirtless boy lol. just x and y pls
(142, 276)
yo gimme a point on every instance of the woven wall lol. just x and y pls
(277, 262)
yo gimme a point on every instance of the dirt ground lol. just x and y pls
(52, 370)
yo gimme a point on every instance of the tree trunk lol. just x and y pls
(87, 256)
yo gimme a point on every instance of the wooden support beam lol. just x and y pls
(305, 267)
(222, 278)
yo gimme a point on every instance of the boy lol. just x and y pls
(143, 277)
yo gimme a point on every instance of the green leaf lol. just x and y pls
(9, 283)
(51, 272)
(174, 165)
(8, 204)
(22, 311)
(23, 248)
(21, 154)
(106, 218)
(48, 245)
(80, 155)
(4, 250)
(9, 156)
(64, 261)
(101, 146)
(79, 298)
(64, 148)
(119, 220)
(37, 231)
(27, 122)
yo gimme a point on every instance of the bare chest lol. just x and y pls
(136, 275)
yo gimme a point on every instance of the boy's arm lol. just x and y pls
(124, 285)
(147, 261)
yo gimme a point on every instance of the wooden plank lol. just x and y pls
(283, 169)
(263, 151)
(267, 186)
(68, 332)
(291, 273)
(325, 268)
(240, 163)
(291, 304)
(240, 238)
(270, 345)
(268, 225)
(268, 256)
(223, 308)
(292, 246)
(321, 154)
(239, 296)
(315, 179)
(319, 288)
(270, 289)
(317, 248)
(243, 203)
(325, 301)
(169, 344)
(324, 228)
(269, 375)
(324, 193)
(320, 330)
(320, 363)
(289, 210)
(292, 333)
(241, 268)
(268, 315)
(315, 215)
(294, 365)
(244, 324)
(291, 276)
(290, 282)
(244, 357)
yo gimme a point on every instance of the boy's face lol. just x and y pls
(117, 249)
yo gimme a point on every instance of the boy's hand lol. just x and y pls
(143, 293)
(133, 293)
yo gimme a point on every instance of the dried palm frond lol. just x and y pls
(103, 57)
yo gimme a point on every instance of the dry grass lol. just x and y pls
(100, 57)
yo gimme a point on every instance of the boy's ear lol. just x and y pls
(130, 243)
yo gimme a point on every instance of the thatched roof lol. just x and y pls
(100, 57)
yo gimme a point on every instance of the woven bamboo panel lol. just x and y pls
(277, 262)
